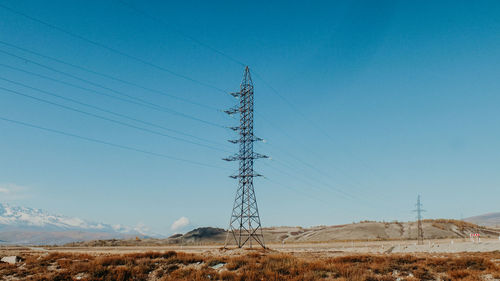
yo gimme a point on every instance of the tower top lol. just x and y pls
(247, 82)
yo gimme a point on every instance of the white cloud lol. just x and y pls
(180, 223)
(142, 229)
(12, 191)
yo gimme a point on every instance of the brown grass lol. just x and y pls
(168, 266)
(462, 225)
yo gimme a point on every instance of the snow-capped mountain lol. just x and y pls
(21, 225)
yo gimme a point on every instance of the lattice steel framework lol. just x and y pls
(420, 230)
(244, 225)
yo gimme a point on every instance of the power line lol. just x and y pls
(306, 164)
(343, 194)
(303, 162)
(109, 143)
(142, 12)
(290, 104)
(154, 65)
(158, 67)
(139, 101)
(109, 111)
(305, 117)
(162, 68)
(199, 42)
(107, 119)
(298, 191)
(295, 108)
(320, 172)
(309, 165)
(109, 76)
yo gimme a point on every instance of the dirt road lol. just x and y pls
(316, 249)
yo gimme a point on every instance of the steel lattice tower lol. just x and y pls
(420, 231)
(244, 225)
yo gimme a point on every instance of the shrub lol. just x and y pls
(252, 266)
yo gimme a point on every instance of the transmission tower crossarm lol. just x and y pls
(251, 139)
(245, 176)
(239, 157)
(232, 111)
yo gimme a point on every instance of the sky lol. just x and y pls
(363, 105)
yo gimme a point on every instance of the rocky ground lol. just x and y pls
(243, 264)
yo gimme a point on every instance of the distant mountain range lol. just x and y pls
(28, 226)
(490, 219)
(21, 225)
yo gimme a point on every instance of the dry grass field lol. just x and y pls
(248, 265)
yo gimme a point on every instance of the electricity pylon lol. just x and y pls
(244, 225)
(420, 231)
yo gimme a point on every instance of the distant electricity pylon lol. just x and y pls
(420, 231)
(244, 225)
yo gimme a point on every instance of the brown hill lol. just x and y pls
(368, 230)
(433, 229)
(490, 219)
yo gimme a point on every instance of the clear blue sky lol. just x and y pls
(384, 100)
